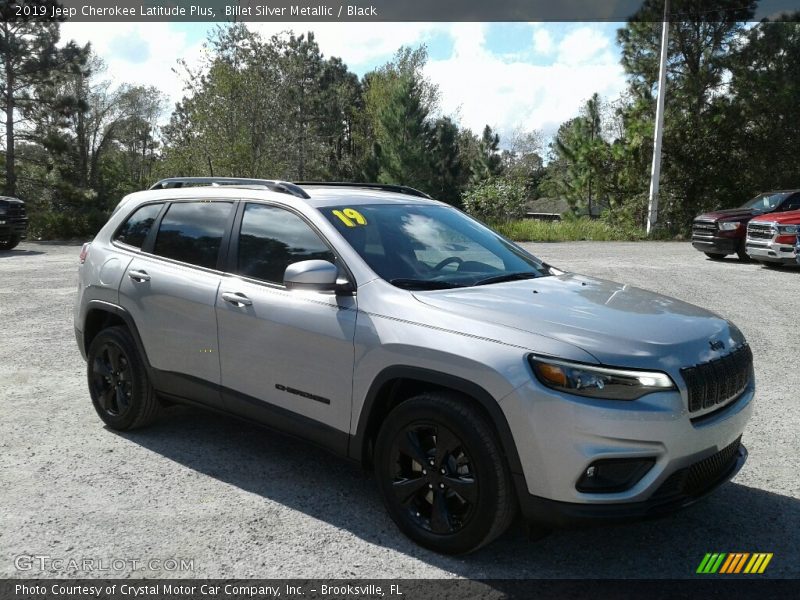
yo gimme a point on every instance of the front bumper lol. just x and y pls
(552, 513)
(769, 251)
(13, 228)
(716, 245)
(558, 437)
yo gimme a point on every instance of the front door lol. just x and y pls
(289, 353)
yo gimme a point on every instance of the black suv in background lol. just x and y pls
(13, 222)
(722, 232)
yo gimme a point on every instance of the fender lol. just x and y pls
(358, 443)
(123, 314)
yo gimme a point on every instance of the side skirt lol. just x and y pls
(185, 389)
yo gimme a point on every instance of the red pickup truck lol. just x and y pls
(771, 238)
(723, 232)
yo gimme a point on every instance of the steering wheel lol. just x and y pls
(447, 261)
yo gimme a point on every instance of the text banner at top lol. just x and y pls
(392, 10)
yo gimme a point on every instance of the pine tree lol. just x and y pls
(31, 64)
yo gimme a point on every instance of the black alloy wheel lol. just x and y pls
(118, 383)
(442, 473)
(111, 379)
(434, 478)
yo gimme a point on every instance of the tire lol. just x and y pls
(467, 499)
(119, 386)
(713, 256)
(10, 243)
(742, 254)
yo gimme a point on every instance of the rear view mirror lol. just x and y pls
(316, 275)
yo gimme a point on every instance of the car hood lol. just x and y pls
(784, 218)
(618, 324)
(730, 213)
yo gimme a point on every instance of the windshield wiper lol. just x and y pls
(424, 284)
(507, 277)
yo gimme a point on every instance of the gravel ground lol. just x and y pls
(242, 502)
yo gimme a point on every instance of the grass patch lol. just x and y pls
(572, 230)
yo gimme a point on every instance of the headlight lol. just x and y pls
(598, 382)
(2, 211)
(729, 225)
(788, 229)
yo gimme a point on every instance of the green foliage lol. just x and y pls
(582, 157)
(399, 102)
(496, 200)
(32, 68)
(761, 117)
(278, 108)
(569, 230)
(696, 169)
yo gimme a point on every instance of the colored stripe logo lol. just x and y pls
(734, 562)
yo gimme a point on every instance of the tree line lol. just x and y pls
(278, 108)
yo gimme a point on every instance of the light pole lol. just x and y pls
(655, 172)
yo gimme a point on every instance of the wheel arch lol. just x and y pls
(398, 383)
(101, 315)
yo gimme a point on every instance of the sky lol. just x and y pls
(528, 76)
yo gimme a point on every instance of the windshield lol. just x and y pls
(766, 202)
(418, 246)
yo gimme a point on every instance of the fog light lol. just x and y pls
(613, 474)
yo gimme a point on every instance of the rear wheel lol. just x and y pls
(120, 389)
(713, 256)
(442, 475)
(9, 243)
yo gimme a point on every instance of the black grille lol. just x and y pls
(704, 228)
(15, 211)
(759, 231)
(720, 381)
(702, 475)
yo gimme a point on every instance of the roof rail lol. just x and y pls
(389, 187)
(284, 187)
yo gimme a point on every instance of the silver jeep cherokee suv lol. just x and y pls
(392, 329)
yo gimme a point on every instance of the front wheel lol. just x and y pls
(118, 383)
(9, 243)
(742, 254)
(442, 475)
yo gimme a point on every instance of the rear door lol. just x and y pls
(170, 290)
(290, 350)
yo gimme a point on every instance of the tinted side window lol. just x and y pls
(138, 225)
(192, 232)
(793, 203)
(273, 238)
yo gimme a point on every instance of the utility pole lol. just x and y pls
(655, 172)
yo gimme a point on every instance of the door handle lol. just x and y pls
(237, 298)
(139, 276)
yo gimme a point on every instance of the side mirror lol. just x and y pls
(316, 275)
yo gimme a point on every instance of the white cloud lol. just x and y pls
(482, 88)
(478, 86)
(542, 41)
(138, 53)
(356, 43)
(585, 46)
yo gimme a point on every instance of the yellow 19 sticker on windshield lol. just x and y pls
(350, 217)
